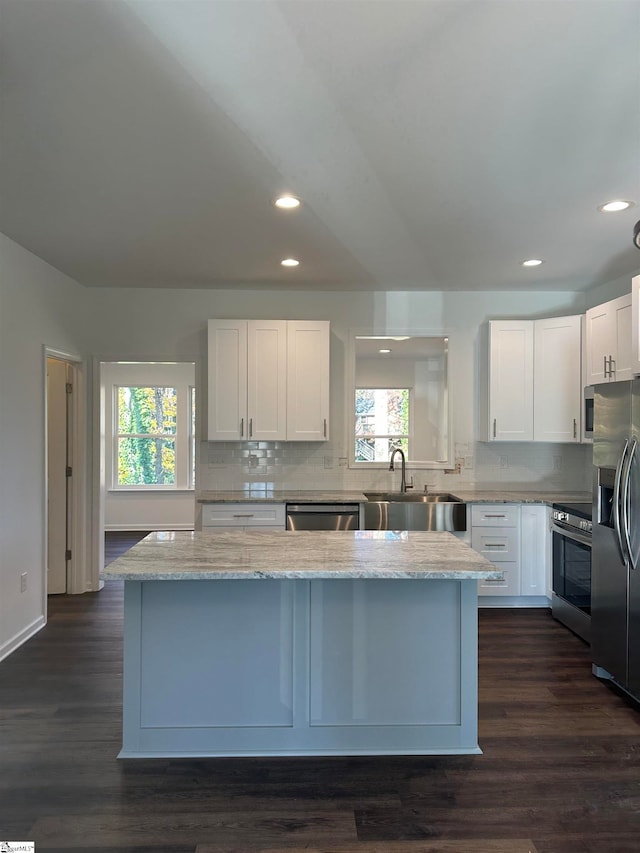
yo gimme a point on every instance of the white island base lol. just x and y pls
(296, 666)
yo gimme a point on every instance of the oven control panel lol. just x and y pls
(573, 521)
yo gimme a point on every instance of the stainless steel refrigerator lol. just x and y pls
(615, 565)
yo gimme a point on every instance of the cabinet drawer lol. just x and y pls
(495, 515)
(497, 545)
(509, 586)
(243, 515)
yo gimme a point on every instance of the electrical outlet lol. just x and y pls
(23, 582)
(557, 463)
(504, 461)
(468, 461)
(328, 461)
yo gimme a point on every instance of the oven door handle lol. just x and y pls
(616, 508)
(572, 534)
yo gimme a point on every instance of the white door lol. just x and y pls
(557, 389)
(58, 448)
(511, 380)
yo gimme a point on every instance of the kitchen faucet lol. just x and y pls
(403, 478)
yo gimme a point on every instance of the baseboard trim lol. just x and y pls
(21, 637)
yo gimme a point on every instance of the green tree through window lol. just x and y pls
(382, 423)
(146, 435)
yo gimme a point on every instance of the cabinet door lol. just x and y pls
(534, 536)
(600, 332)
(267, 380)
(557, 388)
(623, 366)
(511, 380)
(307, 380)
(635, 325)
(227, 380)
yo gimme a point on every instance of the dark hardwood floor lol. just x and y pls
(560, 771)
(116, 542)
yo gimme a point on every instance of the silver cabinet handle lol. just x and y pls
(241, 427)
(494, 515)
(243, 515)
(250, 427)
(612, 365)
(494, 427)
(605, 374)
(575, 428)
(325, 427)
(494, 545)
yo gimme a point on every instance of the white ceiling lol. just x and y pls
(436, 143)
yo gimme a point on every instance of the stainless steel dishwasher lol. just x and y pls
(316, 516)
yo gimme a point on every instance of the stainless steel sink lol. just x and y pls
(413, 497)
(414, 511)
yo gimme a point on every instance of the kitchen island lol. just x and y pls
(300, 643)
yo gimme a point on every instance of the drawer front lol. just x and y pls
(243, 515)
(495, 515)
(509, 586)
(498, 545)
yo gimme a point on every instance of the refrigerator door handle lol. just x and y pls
(625, 503)
(617, 520)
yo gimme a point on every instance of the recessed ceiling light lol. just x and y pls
(287, 202)
(384, 350)
(289, 262)
(532, 262)
(615, 206)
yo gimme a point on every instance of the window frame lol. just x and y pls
(178, 375)
(451, 364)
(355, 436)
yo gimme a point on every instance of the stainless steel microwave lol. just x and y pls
(587, 414)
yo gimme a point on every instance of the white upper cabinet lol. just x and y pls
(608, 341)
(510, 410)
(268, 380)
(635, 325)
(557, 379)
(533, 388)
(227, 385)
(307, 380)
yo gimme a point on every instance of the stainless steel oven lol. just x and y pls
(571, 599)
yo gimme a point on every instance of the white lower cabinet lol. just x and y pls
(233, 516)
(534, 549)
(514, 538)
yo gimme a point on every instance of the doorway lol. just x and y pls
(64, 473)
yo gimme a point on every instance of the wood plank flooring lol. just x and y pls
(560, 771)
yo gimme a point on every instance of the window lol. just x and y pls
(150, 426)
(146, 436)
(382, 423)
(398, 396)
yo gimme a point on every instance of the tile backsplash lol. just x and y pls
(313, 465)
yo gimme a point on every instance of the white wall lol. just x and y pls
(38, 307)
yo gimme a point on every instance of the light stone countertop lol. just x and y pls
(469, 495)
(282, 496)
(263, 554)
